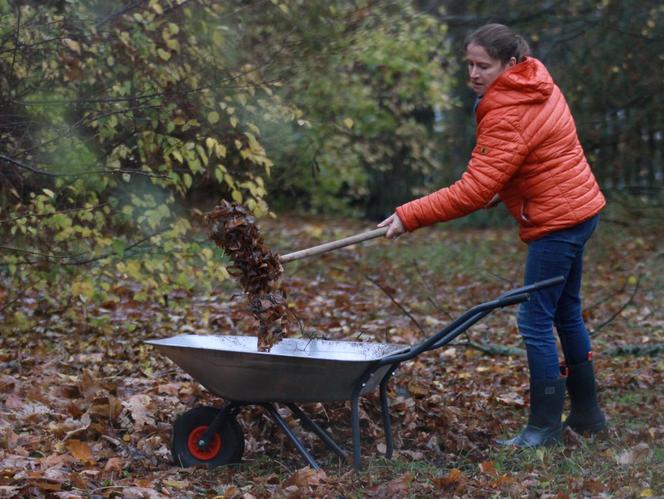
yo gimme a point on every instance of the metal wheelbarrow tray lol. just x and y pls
(295, 370)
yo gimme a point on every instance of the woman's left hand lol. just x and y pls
(395, 229)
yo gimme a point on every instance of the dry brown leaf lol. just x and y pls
(177, 484)
(452, 479)
(139, 407)
(8, 438)
(141, 493)
(45, 484)
(80, 450)
(7, 383)
(105, 407)
(114, 464)
(231, 492)
(305, 477)
(637, 454)
(399, 487)
(511, 398)
(417, 388)
(488, 467)
(88, 385)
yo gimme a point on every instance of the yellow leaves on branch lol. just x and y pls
(82, 289)
(72, 45)
(154, 5)
(214, 146)
(163, 54)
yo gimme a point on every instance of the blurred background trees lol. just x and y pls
(121, 122)
(608, 58)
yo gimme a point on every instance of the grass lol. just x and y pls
(433, 261)
(435, 273)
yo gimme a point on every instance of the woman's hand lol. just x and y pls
(395, 229)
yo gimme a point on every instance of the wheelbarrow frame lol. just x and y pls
(392, 362)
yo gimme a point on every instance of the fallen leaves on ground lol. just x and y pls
(86, 408)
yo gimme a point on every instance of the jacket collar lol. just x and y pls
(528, 82)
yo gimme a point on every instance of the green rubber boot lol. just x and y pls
(585, 417)
(544, 423)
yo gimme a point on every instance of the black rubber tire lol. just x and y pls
(232, 439)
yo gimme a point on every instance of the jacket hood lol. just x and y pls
(528, 82)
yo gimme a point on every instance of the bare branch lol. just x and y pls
(43, 215)
(394, 300)
(61, 259)
(39, 171)
(628, 302)
(119, 13)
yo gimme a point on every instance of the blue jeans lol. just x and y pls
(559, 253)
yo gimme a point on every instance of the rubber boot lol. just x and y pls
(585, 416)
(544, 423)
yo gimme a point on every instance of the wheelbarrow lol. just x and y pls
(295, 371)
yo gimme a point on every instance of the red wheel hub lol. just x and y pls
(208, 453)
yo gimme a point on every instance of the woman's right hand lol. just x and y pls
(395, 229)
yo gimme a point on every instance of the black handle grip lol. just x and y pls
(513, 299)
(547, 283)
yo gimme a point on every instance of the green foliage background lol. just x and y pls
(123, 122)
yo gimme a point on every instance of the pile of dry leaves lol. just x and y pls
(257, 269)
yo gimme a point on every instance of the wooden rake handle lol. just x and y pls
(333, 245)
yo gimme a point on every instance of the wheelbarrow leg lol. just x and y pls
(322, 434)
(272, 410)
(385, 410)
(355, 423)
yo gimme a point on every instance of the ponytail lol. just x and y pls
(500, 42)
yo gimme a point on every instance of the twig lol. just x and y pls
(62, 258)
(608, 297)
(17, 38)
(118, 13)
(19, 295)
(39, 171)
(394, 300)
(43, 215)
(628, 302)
(636, 350)
(430, 299)
(501, 278)
(492, 349)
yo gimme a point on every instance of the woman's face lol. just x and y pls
(482, 68)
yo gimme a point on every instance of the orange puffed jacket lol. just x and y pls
(527, 150)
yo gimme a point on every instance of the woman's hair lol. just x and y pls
(500, 42)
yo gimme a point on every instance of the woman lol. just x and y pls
(528, 155)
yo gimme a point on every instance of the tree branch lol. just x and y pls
(394, 300)
(60, 258)
(39, 171)
(637, 350)
(628, 302)
(43, 215)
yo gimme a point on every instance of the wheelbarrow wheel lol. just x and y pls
(226, 446)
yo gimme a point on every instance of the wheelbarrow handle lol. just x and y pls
(467, 319)
(333, 245)
(536, 286)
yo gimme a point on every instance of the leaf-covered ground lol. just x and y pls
(86, 408)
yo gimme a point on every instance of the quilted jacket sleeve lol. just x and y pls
(499, 152)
